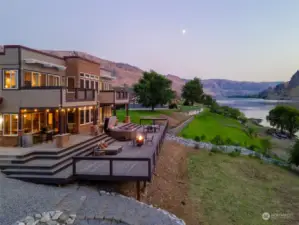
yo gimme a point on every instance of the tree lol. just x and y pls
(294, 154)
(207, 100)
(192, 91)
(284, 118)
(153, 89)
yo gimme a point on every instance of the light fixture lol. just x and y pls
(79, 108)
(47, 110)
(35, 110)
(84, 107)
(56, 110)
(25, 116)
(1, 120)
(90, 107)
(24, 110)
(62, 110)
(68, 109)
(16, 116)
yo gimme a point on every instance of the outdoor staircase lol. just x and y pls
(42, 166)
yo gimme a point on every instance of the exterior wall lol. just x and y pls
(9, 58)
(75, 66)
(27, 54)
(85, 129)
(9, 141)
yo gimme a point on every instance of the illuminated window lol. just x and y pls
(10, 124)
(10, 79)
(34, 79)
(53, 80)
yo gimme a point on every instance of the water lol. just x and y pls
(255, 108)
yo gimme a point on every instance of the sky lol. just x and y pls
(250, 40)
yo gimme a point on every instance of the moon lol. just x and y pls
(184, 31)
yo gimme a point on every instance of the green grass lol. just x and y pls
(211, 124)
(185, 108)
(137, 114)
(237, 190)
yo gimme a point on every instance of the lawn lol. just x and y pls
(136, 114)
(237, 190)
(186, 108)
(211, 124)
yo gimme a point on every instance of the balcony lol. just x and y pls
(79, 94)
(113, 97)
(51, 96)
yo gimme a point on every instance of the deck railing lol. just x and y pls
(151, 161)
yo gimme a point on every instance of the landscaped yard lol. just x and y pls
(237, 190)
(211, 124)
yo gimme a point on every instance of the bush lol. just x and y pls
(235, 153)
(253, 147)
(228, 141)
(197, 138)
(217, 140)
(173, 106)
(186, 102)
(294, 154)
(215, 150)
(202, 137)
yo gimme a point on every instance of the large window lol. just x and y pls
(88, 81)
(10, 124)
(53, 80)
(34, 79)
(10, 79)
(86, 116)
(32, 122)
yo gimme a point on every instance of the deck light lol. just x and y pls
(139, 140)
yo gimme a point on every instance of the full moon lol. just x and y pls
(183, 31)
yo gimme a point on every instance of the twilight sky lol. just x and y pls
(256, 40)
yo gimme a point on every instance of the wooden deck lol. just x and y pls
(133, 163)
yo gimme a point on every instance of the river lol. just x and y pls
(255, 108)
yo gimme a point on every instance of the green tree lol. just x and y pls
(153, 89)
(294, 154)
(207, 100)
(192, 91)
(284, 118)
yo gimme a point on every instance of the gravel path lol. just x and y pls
(91, 205)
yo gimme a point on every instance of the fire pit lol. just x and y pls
(139, 140)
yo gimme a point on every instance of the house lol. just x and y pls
(67, 94)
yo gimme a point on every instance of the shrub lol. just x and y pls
(228, 141)
(217, 140)
(173, 106)
(252, 147)
(266, 145)
(197, 138)
(235, 153)
(184, 135)
(294, 154)
(215, 150)
(203, 137)
(186, 102)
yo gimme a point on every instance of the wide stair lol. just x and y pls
(50, 166)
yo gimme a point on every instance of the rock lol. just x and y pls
(56, 215)
(46, 217)
(52, 223)
(29, 219)
(38, 216)
(52, 213)
(63, 218)
(70, 221)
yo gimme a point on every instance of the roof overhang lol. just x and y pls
(44, 64)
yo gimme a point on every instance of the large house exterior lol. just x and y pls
(69, 94)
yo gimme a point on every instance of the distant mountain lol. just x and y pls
(225, 88)
(284, 91)
(128, 74)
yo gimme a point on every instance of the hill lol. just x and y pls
(284, 91)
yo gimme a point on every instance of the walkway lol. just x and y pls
(90, 204)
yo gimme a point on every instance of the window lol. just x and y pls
(32, 122)
(10, 79)
(82, 115)
(10, 122)
(92, 114)
(53, 80)
(87, 84)
(97, 85)
(70, 83)
(34, 79)
(82, 83)
(91, 84)
(86, 116)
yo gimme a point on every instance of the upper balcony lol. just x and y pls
(48, 96)
(113, 97)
